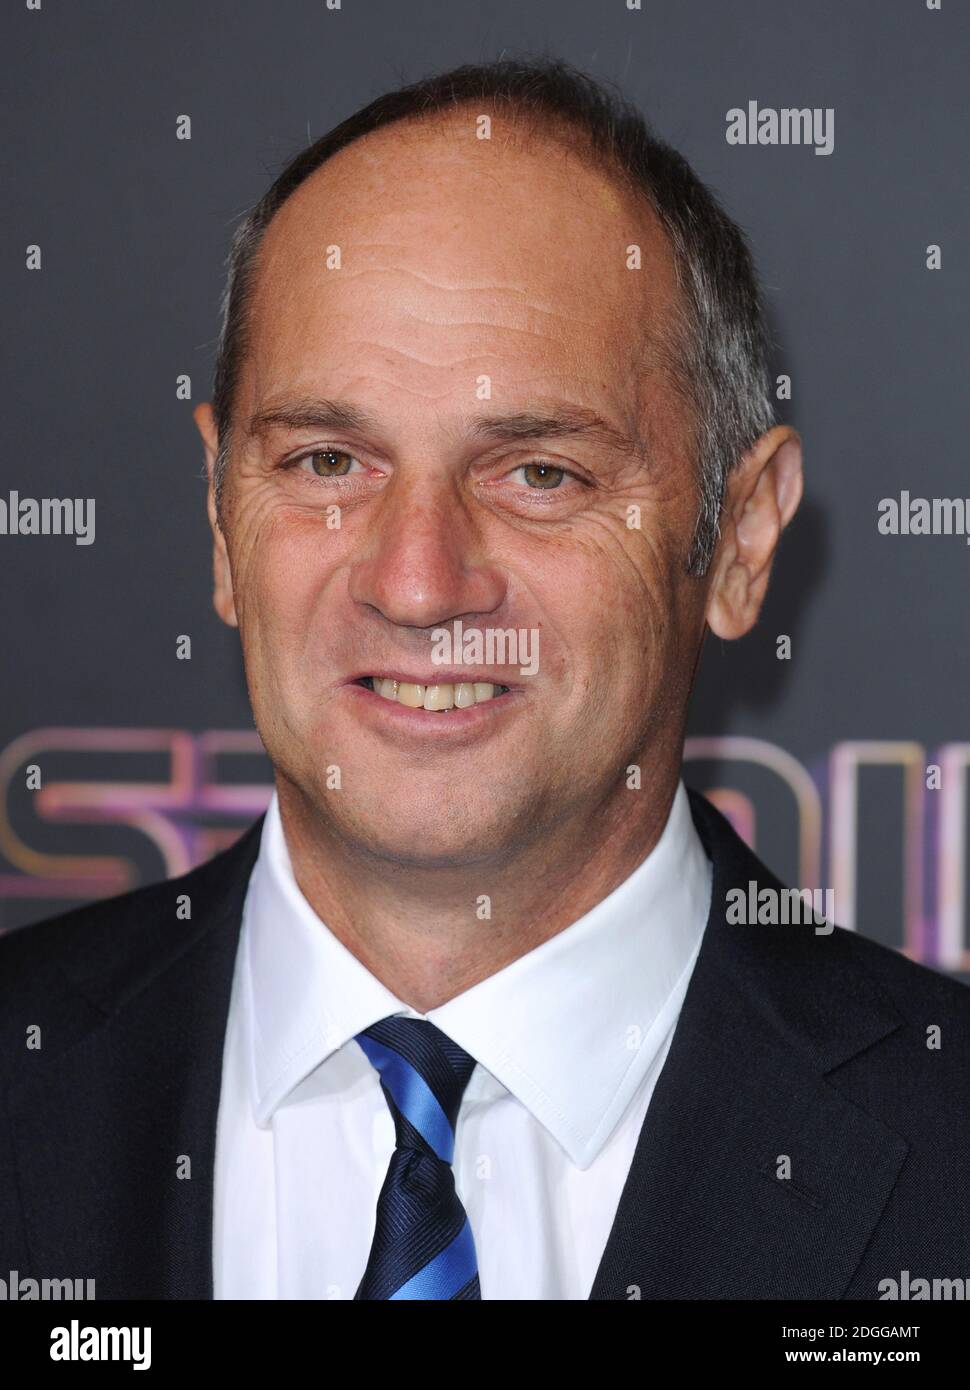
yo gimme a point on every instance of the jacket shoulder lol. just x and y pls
(832, 977)
(104, 949)
(915, 989)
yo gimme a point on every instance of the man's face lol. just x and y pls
(475, 280)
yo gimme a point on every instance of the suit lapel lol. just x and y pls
(770, 1011)
(135, 1212)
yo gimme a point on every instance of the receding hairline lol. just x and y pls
(513, 125)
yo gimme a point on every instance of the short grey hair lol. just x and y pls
(719, 350)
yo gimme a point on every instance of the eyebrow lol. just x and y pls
(560, 421)
(315, 414)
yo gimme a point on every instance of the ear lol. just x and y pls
(761, 498)
(222, 595)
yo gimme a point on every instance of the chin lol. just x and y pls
(459, 841)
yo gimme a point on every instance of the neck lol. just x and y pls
(430, 933)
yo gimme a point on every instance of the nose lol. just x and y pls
(424, 561)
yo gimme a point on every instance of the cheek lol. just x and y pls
(596, 635)
(279, 563)
(623, 591)
(629, 629)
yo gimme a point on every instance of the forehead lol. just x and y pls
(429, 255)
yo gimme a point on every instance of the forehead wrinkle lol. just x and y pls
(515, 312)
(562, 314)
(491, 293)
(428, 349)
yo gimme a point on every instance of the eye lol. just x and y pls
(329, 463)
(545, 477)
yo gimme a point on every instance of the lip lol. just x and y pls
(390, 717)
(441, 675)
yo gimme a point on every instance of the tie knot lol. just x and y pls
(423, 1076)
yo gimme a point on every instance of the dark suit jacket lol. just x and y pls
(789, 1043)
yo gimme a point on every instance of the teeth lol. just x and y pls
(439, 697)
(436, 697)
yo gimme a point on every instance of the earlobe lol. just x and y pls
(762, 497)
(223, 600)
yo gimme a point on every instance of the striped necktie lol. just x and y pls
(423, 1246)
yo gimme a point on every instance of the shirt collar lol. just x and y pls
(570, 1029)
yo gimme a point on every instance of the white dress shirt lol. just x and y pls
(569, 1040)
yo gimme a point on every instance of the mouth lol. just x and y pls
(439, 697)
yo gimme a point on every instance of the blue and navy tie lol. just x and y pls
(423, 1246)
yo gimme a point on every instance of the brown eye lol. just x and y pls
(331, 463)
(542, 475)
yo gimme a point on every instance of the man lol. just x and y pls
(465, 1016)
